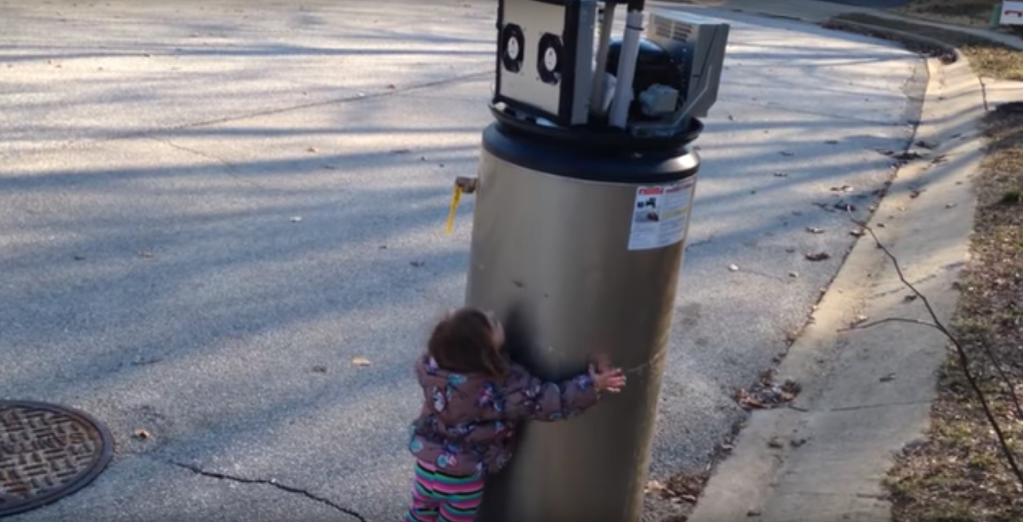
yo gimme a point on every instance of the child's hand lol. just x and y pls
(606, 378)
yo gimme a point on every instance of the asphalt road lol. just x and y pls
(207, 210)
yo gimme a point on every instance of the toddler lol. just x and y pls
(475, 397)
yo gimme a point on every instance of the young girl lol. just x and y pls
(475, 398)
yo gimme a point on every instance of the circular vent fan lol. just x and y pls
(548, 61)
(513, 43)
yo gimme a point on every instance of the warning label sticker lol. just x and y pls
(660, 214)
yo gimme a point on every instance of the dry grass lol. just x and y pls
(975, 13)
(989, 59)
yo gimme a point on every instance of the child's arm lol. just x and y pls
(528, 396)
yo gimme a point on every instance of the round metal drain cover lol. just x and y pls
(47, 452)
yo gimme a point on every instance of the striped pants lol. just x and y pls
(437, 497)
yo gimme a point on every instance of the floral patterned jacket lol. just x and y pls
(467, 423)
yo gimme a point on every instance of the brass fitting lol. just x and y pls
(467, 184)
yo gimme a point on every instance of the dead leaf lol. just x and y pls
(819, 256)
(908, 155)
(913, 194)
(774, 443)
(686, 487)
(391, 86)
(655, 486)
(910, 297)
(142, 434)
(360, 362)
(795, 443)
(753, 403)
(312, 149)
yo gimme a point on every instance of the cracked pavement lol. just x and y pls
(208, 209)
(272, 483)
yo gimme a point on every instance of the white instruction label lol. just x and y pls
(660, 214)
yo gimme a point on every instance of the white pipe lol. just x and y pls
(607, 20)
(626, 69)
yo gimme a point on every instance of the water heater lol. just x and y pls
(586, 185)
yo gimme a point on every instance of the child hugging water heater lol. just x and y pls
(474, 398)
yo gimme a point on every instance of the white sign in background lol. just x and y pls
(1012, 13)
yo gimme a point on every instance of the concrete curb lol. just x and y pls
(925, 45)
(868, 392)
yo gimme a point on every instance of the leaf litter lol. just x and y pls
(767, 393)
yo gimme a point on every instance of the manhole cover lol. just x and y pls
(47, 452)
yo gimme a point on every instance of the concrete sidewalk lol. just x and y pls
(816, 11)
(800, 10)
(867, 392)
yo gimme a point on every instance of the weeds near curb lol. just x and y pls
(1012, 196)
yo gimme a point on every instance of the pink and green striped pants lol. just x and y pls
(437, 497)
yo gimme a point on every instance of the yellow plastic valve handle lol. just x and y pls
(455, 198)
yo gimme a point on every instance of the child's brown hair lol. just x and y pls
(463, 342)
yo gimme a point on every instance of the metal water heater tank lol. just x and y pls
(577, 242)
